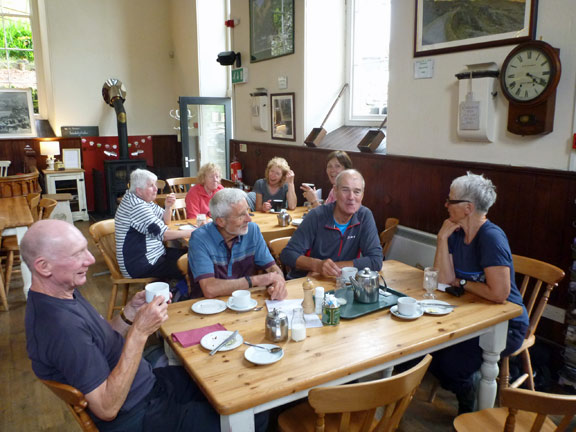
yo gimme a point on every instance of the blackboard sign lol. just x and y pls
(79, 131)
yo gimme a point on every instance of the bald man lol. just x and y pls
(70, 342)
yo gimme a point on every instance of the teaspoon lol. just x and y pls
(270, 350)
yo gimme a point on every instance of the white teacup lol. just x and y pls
(348, 272)
(241, 298)
(407, 306)
(155, 289)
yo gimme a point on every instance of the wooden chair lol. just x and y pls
(386, 236)
(103, 234)
(33, 202)
(538, 281)
(523, 410)
(183, 267)
(352, 407)
(227, 183)
(4, 168)
(179, 209)
(276, 246)
(75, 401)
(3, 292)
(181, 184)
(160, 184)
(45, 208)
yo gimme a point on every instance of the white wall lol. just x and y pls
(423, 112)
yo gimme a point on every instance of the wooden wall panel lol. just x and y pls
(535, 207)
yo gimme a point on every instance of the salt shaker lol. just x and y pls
(319, 299)
(308, 303)
(298, 325)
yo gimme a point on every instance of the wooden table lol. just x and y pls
(18, 217)
(267, 222)
(333, 355)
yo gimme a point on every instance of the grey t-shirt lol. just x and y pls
(261, 187)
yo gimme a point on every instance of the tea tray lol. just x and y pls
(354, 309)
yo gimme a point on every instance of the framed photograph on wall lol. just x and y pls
(271, 29)
(16, 114)
(449, 26)
(283, 123)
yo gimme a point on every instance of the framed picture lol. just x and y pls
(16, 114)
(271, 29)
(283, 124)
(71, 158)
(448, 26)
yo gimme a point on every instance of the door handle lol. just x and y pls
(187, 161)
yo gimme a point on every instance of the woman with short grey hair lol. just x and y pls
(139, 178)
(473, 255)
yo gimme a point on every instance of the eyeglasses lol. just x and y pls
(452, 201)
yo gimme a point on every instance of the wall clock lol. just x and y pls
(529, 77)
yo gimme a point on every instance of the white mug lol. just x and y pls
(157, 288)
(407, 306)
(241, 298)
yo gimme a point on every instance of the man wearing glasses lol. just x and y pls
(225, 255)
(336, 235)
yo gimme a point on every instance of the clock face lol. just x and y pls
(527, 74)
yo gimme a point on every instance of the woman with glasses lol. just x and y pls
(473, 255)
(199, 195)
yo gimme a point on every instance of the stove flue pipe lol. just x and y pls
(114, 94)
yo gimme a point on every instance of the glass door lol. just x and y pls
(205, 125)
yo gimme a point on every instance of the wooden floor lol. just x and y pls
(26, 405)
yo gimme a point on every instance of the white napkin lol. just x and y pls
(287, 306)
(442, 287)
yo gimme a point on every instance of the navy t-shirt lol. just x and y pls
(489, 248)
(69, 342)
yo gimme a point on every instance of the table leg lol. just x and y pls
(492, 344)
(242, 421)
(26, 275)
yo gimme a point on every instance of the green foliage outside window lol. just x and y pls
(17, 35)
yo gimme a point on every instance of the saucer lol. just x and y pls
(186, 227)
(262, 357)
(429, 308)
(252, 305)
(297, 221)
(212, 340)
(209, 307)
(394, 311)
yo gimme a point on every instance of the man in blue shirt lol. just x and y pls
(336, 235)
(225, 255)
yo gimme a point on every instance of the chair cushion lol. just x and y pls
(493, 419)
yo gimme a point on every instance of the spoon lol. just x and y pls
(270, 350)
(259, 308)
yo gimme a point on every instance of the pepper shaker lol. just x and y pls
(308, 303)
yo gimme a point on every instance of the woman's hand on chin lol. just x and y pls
(447, 229)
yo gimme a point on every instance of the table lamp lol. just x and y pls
(50, 149)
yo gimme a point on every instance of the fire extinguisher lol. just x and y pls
(236, 171)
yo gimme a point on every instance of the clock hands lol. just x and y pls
(536, 79)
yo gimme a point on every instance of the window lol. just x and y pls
(368, 46)
(17, 65)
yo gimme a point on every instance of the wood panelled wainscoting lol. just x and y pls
(535, 207)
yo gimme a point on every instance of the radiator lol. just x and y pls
(413, 247)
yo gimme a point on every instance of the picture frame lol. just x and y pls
(444, 27)
(17, 114)
(283, 118)
(271, 29)
(71, 158)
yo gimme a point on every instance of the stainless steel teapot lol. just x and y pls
(276, 326)
(284, 218)
(367, 286)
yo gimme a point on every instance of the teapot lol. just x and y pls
(276, 326)
(284, 218)
(366, 286)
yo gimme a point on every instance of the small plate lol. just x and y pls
(276, 211)
(252, 305)
(212, 340)
(394, 311)
(209, 307)
(297, 221)
(186, 227)
(431, 310)
(262, 357)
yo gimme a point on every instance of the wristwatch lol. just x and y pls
(462, 283)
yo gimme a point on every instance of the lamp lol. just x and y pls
(50, 149)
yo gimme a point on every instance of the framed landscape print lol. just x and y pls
(271, 29)
(283, 125)
(448, 26)
(16, 114)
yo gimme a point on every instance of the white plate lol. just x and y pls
(262, 357)
(209, 307)
(394, 311)
(297, 221)
(252, 305)
(431, 310)
(186, 227)
(276, 212)
(212, 340)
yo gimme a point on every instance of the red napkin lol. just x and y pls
(192, 337)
